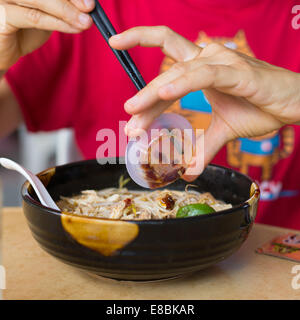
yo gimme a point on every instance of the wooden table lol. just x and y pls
(31, 273)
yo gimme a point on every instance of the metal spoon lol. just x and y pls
(36, 183)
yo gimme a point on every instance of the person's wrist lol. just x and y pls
(2, 73)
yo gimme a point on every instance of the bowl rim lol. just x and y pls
(255, 194)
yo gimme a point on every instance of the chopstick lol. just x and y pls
(107, 30)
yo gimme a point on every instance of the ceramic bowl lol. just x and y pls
(140, 250)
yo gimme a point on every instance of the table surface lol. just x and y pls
(31, 273)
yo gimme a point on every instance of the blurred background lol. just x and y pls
(36, 152)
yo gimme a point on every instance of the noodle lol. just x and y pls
(120, 203)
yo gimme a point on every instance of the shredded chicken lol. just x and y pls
(114, 203)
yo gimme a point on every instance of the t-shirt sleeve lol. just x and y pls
(43, 84)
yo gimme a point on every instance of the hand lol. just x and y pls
(249, 97)
(27, 24)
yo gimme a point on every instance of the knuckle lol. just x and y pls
(214, 48)
(34, 16)
(166, 31)
(66, 9)
(252, 75)
(209, 71)
(187, 77)
(244, 64)
(248, 86)
(179, 67)
(230, 56)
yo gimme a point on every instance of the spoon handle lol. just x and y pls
(36, 183)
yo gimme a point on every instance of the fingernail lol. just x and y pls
(89, 3)
(84, 19)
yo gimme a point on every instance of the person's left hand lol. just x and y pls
(249, 97)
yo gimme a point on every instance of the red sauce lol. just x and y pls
(127, 202)
(168, 201)
(162, 173)
(156, 180)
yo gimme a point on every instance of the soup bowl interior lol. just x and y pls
(140, 250)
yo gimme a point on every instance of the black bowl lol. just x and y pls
(140, 250)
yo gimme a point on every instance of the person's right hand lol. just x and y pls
(249, 97)
(25, 25)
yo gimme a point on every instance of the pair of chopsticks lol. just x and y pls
(107, 30)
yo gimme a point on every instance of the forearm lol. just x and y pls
(10, 113)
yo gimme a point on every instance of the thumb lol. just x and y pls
(208, 143)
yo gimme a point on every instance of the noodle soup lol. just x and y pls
(124, 204)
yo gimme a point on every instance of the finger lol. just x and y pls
(171, 43)
(207, 146)
(84, 5)
(149, 96)
(222, 77)
(16, 17)
(143, 120)
(61, 9)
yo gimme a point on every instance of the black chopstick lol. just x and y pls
(107, 30)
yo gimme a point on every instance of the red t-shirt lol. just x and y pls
(75, 81)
